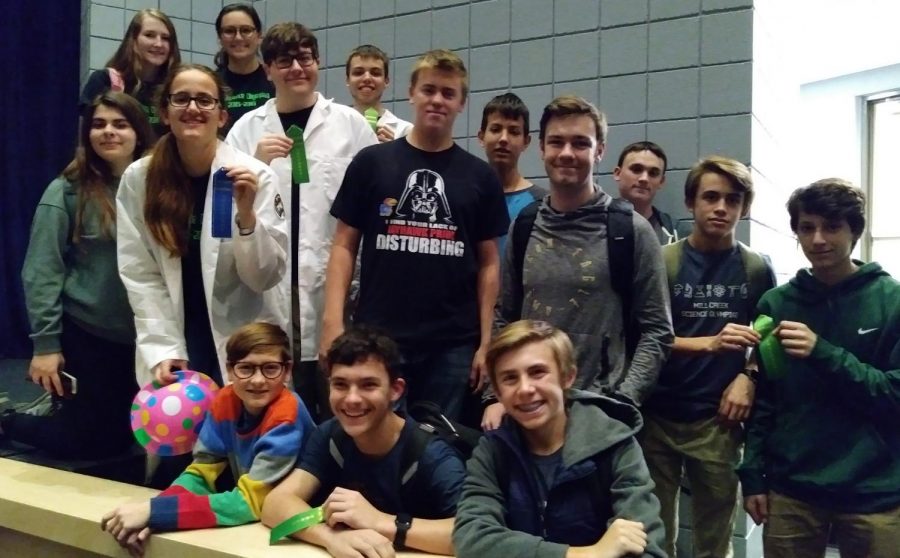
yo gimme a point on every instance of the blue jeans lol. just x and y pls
(438, 374)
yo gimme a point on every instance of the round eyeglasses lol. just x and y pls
(270, 370)
(183, 100)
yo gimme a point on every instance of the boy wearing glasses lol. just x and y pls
(255, 426)
(308, 141)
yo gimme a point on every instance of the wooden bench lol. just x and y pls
(56, 514)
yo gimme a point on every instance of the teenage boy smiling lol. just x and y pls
(563, 474)
(365, 506)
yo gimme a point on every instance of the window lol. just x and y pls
(882, 243)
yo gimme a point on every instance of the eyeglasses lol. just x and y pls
(285, 61)
(270, 370)
(243, 31)
(183, 99)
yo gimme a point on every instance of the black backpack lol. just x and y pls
(430, 422)
(619, 245)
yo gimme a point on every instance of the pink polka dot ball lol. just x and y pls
(167, 419)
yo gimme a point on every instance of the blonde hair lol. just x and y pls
(521, 333)
(444, 61)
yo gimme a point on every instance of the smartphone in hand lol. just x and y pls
(69, 384)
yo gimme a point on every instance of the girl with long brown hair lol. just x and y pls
(189, 289)
(146, 55)
(82, 325)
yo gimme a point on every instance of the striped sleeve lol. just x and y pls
(191, 503)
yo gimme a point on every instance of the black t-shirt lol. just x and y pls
(197, 330)
(99, 82)
(439, 477)
(421, 215)
(297, 118)
(544, 469)
(248, 91)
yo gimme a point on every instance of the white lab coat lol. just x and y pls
(398, 125)
(333, 135)
(240, 274)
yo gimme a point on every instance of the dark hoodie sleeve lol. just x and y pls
(762, 418)
(480, 528)
(872, 392)
(653, 313)
(632, 495)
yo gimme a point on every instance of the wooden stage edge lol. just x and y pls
(52, 513)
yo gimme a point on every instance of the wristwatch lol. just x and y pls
(751, 373)
(403, 523)
(242, 230)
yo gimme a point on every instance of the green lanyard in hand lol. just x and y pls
(299, 166)
(774, 359)
(372, 118)
(297, 523)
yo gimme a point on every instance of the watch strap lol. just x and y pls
(403, 523)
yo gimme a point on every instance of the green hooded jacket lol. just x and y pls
(828, 431)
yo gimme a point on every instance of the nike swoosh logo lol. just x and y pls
(862, 331)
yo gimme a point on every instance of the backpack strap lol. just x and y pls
(116, 83)
(409, 460)
(620, 248)
(757, 270)
(521, 232)
(411, 493)
(672, 255)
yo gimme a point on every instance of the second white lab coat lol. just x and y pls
(240, 274)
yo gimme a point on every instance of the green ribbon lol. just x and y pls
(299, 166)
(372, 118)
(774, 359)
(299, 522)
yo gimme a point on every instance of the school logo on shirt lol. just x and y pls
(279, 206)
(710, 300)
(421, 222)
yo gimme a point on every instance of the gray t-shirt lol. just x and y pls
(711, 291)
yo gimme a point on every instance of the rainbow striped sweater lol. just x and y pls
(261, 450)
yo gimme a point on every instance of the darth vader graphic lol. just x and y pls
(424, 198)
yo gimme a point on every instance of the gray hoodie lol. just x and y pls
(566, 281)
(501, 514)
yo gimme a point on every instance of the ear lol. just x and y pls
(398, 386)
(481, 137)
(288, 372)
(223, 117)
(616, 172)
(601, 150)
(569, 380)
(527, 140)
(268, 69)
(164, 115)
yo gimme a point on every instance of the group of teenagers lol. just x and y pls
(373, 263)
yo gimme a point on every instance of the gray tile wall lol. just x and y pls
(677, 72)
